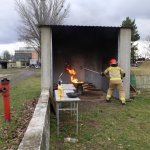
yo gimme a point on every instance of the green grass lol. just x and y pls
(142, 69)
(20, 95)
(7, 71)
(109, 127)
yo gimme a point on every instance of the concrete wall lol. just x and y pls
(38, 132)
(96, 59)
(124, 51)
(87, 47)
(90, 61)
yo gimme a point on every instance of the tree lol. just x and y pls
(39, 12)
(129, 23)
(6, 55)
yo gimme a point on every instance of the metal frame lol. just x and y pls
(73, 107)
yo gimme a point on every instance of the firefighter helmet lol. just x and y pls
(113, 61)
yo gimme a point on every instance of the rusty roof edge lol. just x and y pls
(80, 26)
(86, 26)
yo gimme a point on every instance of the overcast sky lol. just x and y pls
(84, 12)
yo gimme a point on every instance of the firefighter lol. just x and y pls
(116, 75)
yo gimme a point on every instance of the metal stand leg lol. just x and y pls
(57, 111)
(74, 107)
(71, 105)
(77, 117)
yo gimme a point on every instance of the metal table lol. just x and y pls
(68, 86)
(73, 108)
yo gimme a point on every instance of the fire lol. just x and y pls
(72, 73)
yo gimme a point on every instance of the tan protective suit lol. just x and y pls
(115, 74)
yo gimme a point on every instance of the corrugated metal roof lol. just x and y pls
(85, 26)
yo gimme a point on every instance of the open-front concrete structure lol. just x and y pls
(86, 46)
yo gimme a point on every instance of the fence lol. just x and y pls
(141, 82)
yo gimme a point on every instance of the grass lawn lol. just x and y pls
(142, 69)
(108, 126)
(7, 71)
(21, 95)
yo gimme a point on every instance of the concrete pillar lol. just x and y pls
(124, 52)
(46, 58)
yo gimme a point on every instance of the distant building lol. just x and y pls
(24, 55)
(34, 55)
(3, 64)
(11, 64)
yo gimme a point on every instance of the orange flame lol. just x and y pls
(72, 73)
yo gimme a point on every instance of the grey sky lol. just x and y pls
(111, 13)
(8, 22)
(84, 12)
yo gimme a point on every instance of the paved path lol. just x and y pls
(18, 76)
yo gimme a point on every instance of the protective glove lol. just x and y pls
(123, 75)
(102, 74)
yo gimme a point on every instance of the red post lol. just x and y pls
(5, 89)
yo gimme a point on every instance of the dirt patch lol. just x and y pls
(13, 139)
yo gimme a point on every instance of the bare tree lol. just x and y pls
(39, 12)
(6, 55)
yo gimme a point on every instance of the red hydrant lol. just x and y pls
(5, 89)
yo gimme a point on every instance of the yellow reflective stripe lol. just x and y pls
(108, 96)
(115, 78)
(122, 98)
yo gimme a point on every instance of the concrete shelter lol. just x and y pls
(86, 46)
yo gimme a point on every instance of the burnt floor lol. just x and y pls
(93, 96)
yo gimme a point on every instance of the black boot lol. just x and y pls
(108, 100)
(123, 102)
